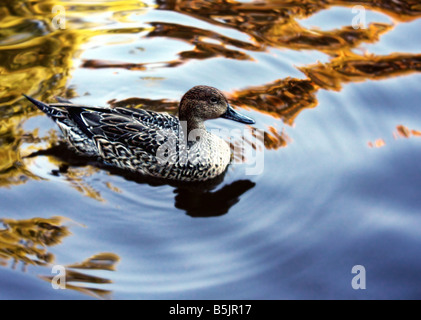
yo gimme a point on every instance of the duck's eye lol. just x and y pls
(214, 100)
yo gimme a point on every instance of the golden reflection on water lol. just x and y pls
(37, 59)
(27, 242)
(73, 279)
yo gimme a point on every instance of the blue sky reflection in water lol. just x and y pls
(341, 178)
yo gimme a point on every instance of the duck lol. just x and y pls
(151, 143)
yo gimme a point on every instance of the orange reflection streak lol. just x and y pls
(283, 99)
(203, 49)
(286, 98)
(377, 144)
(404, 132)
(355, 68)
(275, 140)
(102, 64)
(401, 132)
(272, 23)
(403, 10)
(256, 12)
(297, 37)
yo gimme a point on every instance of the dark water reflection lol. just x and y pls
(341, 179)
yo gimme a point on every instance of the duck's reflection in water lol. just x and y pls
(197, 199)
(199, 202)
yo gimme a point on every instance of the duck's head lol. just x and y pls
(202, 103)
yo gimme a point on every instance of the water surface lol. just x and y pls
(342, 148)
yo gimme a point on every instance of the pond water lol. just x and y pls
(340, 181)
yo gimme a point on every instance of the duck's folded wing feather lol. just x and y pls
(150, 118)
(137, 129)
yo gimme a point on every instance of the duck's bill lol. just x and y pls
(231, 114)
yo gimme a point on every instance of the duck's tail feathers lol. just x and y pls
(51, 111)
(40, 105)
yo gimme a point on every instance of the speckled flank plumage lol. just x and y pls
(144, 141)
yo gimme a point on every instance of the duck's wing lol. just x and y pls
(136, 129)
(159, 120)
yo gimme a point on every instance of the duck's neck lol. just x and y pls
(195, 124)
(191, 124)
